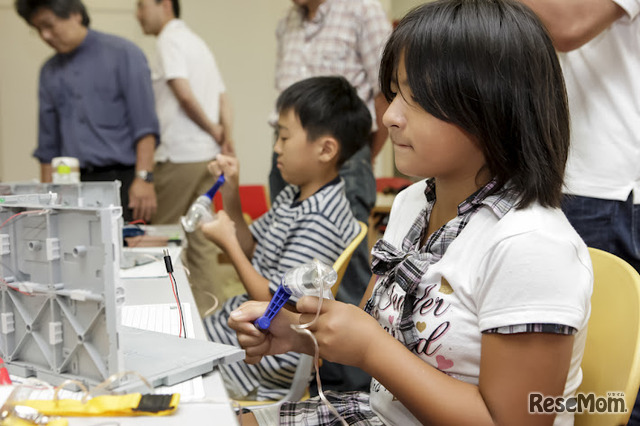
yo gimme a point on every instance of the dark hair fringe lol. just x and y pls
(489, 67)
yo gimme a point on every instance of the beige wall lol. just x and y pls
(240, 33)
(400, 7)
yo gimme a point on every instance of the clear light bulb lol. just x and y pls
(200, 210)
(309, 279)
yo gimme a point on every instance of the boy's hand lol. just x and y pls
(221, 230)
(345, 333)
(280, 337)
(229, 166)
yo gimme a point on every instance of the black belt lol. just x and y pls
(105, 169)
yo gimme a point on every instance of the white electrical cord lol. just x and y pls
(304, 329)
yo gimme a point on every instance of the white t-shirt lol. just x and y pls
(603, 85)
(528, 267)
(182, 54)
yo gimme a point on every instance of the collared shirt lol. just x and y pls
(394, 265)
(345, 37)
(293, 232)
(95, 103)
(490, 267)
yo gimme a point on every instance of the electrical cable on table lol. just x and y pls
(174, 286)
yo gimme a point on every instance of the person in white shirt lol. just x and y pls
(481, 288)
(599, 49)
(195, 126)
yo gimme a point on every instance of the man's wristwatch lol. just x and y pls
(145, 175)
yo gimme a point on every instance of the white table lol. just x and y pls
(155, 289)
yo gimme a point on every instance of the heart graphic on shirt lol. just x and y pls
(445, 287)
(443, 363)
(421, 326)
(391, 318)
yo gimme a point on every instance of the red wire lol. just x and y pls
(5, 222)
(19, 214)
(173, 288)
(14, 288)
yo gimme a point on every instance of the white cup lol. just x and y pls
(65, 170)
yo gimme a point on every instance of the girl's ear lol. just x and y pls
(329, 149)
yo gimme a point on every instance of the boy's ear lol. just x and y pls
(329, 149)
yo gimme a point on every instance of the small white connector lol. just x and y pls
(7, 324)
(5, 244)
(55, 332)
(53, 248)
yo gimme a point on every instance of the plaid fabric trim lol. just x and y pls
(533, 328)
(407, 265)
(354, 407)
(345, 37)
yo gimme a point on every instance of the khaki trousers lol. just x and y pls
(177, 186)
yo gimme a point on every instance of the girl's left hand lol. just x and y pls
(346, 334)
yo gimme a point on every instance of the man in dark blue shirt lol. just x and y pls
(95, 103)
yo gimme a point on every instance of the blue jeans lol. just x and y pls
(360, 189)
(612, 226)
(609, 225)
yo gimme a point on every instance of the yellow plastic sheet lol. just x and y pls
(107, 405)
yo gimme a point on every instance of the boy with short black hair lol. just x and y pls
(322, 122)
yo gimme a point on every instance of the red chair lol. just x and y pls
(253, 198)
(391, 185)
(255, 202)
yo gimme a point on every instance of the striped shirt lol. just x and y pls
(345, 37)
(291, 233)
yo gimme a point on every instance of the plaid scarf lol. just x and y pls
(407, 265)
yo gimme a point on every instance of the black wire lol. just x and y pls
(184, 325)
(169, 267)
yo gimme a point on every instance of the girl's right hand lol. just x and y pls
(279, 339)
(345, 333)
